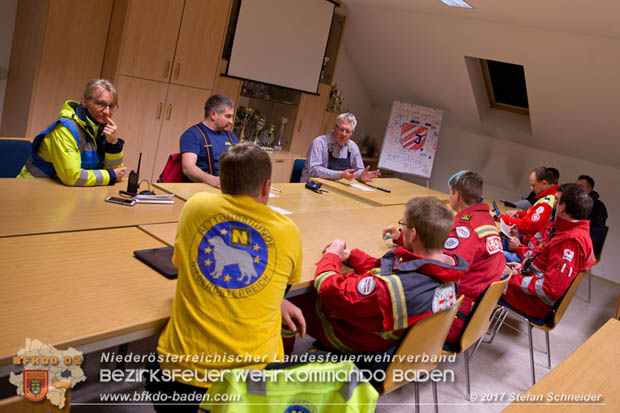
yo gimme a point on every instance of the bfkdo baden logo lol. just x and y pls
(47, 372)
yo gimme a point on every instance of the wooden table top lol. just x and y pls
(360, 228)
(402, 191)
(74, 288)
(38, 206)
(594, 368)
(292, 197)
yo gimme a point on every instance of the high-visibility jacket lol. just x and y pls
(549, 271)
(535, 217)
(369, 310)
(474, 237)
(74, 149)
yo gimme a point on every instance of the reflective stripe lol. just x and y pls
(348, 387)
(486, 230)
(528, 254)
(525, 283)
(319, 280)
(256, 387)
(389, 335)
(329, 331)
(112, 163)
(537, 272)
(98, 176)
(83, 178)
(537, 236)
(538, 286)
(34, 171)
(399, 306)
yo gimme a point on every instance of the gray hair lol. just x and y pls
(347, 118)
(218, 103)
(100, 84)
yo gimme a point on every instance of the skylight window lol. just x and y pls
(505, 84)
(456, 3)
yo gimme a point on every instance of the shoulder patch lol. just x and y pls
(451, 243)
(366, 285)
(444, 297)
(535, 218)
(540, 209)
(568, 255)
(494, 245)
(466, 217)
(462, 232)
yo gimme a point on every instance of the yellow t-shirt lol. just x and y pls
(235, 257)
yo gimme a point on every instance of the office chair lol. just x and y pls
(14, 153)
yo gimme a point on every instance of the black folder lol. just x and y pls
(159, 259)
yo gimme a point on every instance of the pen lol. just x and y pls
(378, 187)
(276, 189)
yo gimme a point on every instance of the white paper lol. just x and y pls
(273, 195)
(280, 210)
(504, 228)
(362, 187)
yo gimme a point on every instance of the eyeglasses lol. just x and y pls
(101, 105)
(344, 130)
(403, 224)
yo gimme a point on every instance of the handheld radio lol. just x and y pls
(134, 179)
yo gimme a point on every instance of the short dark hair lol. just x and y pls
(217, 103)
(468, 184)
(555, 173)
(431, 219)
(543, 174)
(576, 200)
(244, 168)
(588, 179)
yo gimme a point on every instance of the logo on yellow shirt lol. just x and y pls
(232, 256)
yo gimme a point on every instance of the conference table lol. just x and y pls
(286, 198)
(38, 206)
(359, 228)
(592, 371)
(400, 191)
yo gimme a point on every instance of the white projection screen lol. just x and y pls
(281, 42)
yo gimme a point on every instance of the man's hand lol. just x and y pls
(367, 175)
(514, 231)
(120, 173)
(110, 132)
(348, 174)
(514, 267)
(338, 247)
(391, 231)
(511, 213)
(513, 243)
(213, 181)
(293, 317)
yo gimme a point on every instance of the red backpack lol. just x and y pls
(173, 171)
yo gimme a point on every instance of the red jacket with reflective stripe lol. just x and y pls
(535, 217)
(554, 267)
(356, 312)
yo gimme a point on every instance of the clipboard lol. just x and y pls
(159, 259)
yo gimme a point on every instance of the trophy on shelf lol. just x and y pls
(267, 136)
(283, 122)
(243, 114)
(335, 99)
(260, 124)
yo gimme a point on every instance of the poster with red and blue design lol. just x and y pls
(411, 139)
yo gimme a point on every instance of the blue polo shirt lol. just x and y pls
(192, 141)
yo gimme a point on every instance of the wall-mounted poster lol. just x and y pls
(411, 139)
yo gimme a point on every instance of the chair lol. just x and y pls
(618, 308)
(478, 324)
(550, 322)
(298, 165)
(598, 259)
(424, 338)
(14, 153)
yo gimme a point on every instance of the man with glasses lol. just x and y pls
(371, 308)
(81, 147)
(335, 156)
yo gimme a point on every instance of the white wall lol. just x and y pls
(8, 11)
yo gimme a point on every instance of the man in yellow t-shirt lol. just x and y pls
(235, 257)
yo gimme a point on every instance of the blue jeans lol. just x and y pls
(509, 255)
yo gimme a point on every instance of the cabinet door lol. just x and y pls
(329, 120)
(151, 31)
(139, 120)
(309, 119)
(184, 108)
(281, 166)
(200, 43)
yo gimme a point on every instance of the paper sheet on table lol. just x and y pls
(271, 195)
(280, 210)
(362, 187)
(504, 228)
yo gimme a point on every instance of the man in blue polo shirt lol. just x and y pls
(203, 143)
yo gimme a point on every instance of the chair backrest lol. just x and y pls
(566, 299)
(13, 156)
(479, 322)
(298, 166)
(426, 338)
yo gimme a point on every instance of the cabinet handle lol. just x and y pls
(169, 112)
(178, 71)
(279, 160)
(160, 107)
(167, 72)
(299, 128)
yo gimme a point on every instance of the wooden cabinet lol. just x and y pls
(281, 166)
(57, 48)
(329, 120)
(309, 119)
